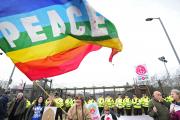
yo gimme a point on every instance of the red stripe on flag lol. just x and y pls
(57, 64)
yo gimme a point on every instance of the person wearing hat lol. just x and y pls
(68, 102)
(100, 103)
(128, 105)
(91, 100)
(59, 104)
(78, 111)
(108, 115)
(120, 105)
(109, 102)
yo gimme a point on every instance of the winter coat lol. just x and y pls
(3, 106)
(162, 110)
(175, 111)
(21, 107)
(75, 113)
(30, 113)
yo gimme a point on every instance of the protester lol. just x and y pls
(17, 107)
(108, 115)
(3, 106)
(79, 111)
(36, 110)
(175, 106)
(158, 107)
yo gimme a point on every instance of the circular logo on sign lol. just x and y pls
(141, 70)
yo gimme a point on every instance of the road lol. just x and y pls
(143, 117)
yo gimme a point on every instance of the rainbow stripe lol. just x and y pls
(38, 35)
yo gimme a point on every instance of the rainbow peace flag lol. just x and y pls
(45, 38)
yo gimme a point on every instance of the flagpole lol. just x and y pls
(10, 77)
(35, 83)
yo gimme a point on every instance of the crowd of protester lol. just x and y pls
(74, 108)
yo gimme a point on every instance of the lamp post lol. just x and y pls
(174, 50)
(163, 59)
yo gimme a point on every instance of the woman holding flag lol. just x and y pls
(79, 111)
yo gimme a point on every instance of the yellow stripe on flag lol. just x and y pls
(55, 47)
(44, 50)
(110, 43)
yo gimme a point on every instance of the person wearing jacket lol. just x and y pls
(59, 103)
(3, 106)
(100, 103)
(36, 110)
(17, 107)
(158, 107)
(120, 106)
(145, 103)
(109, 102)
(108, 115)
(175, 106)
(137, 105)
(78, 111)
(68, 103)
(128, 105)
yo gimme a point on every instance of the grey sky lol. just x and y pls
(143, 43)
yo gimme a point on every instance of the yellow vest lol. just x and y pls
(145, 101)
(59, 102)
(127, 102)
(100, 102)
(119, 103)
(90, 101)
(69, 102)
(28, 103)
(109, 102)
(136, 103)
(169, 99)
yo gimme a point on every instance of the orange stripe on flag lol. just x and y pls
(56, 64)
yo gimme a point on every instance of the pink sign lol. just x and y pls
(141, 70)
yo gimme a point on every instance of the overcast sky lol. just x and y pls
(143, 43)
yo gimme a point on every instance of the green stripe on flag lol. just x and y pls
(24, 41)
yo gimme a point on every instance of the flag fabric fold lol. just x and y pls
(45, 38)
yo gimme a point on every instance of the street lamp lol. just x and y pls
(163, 59)
(174, 50)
